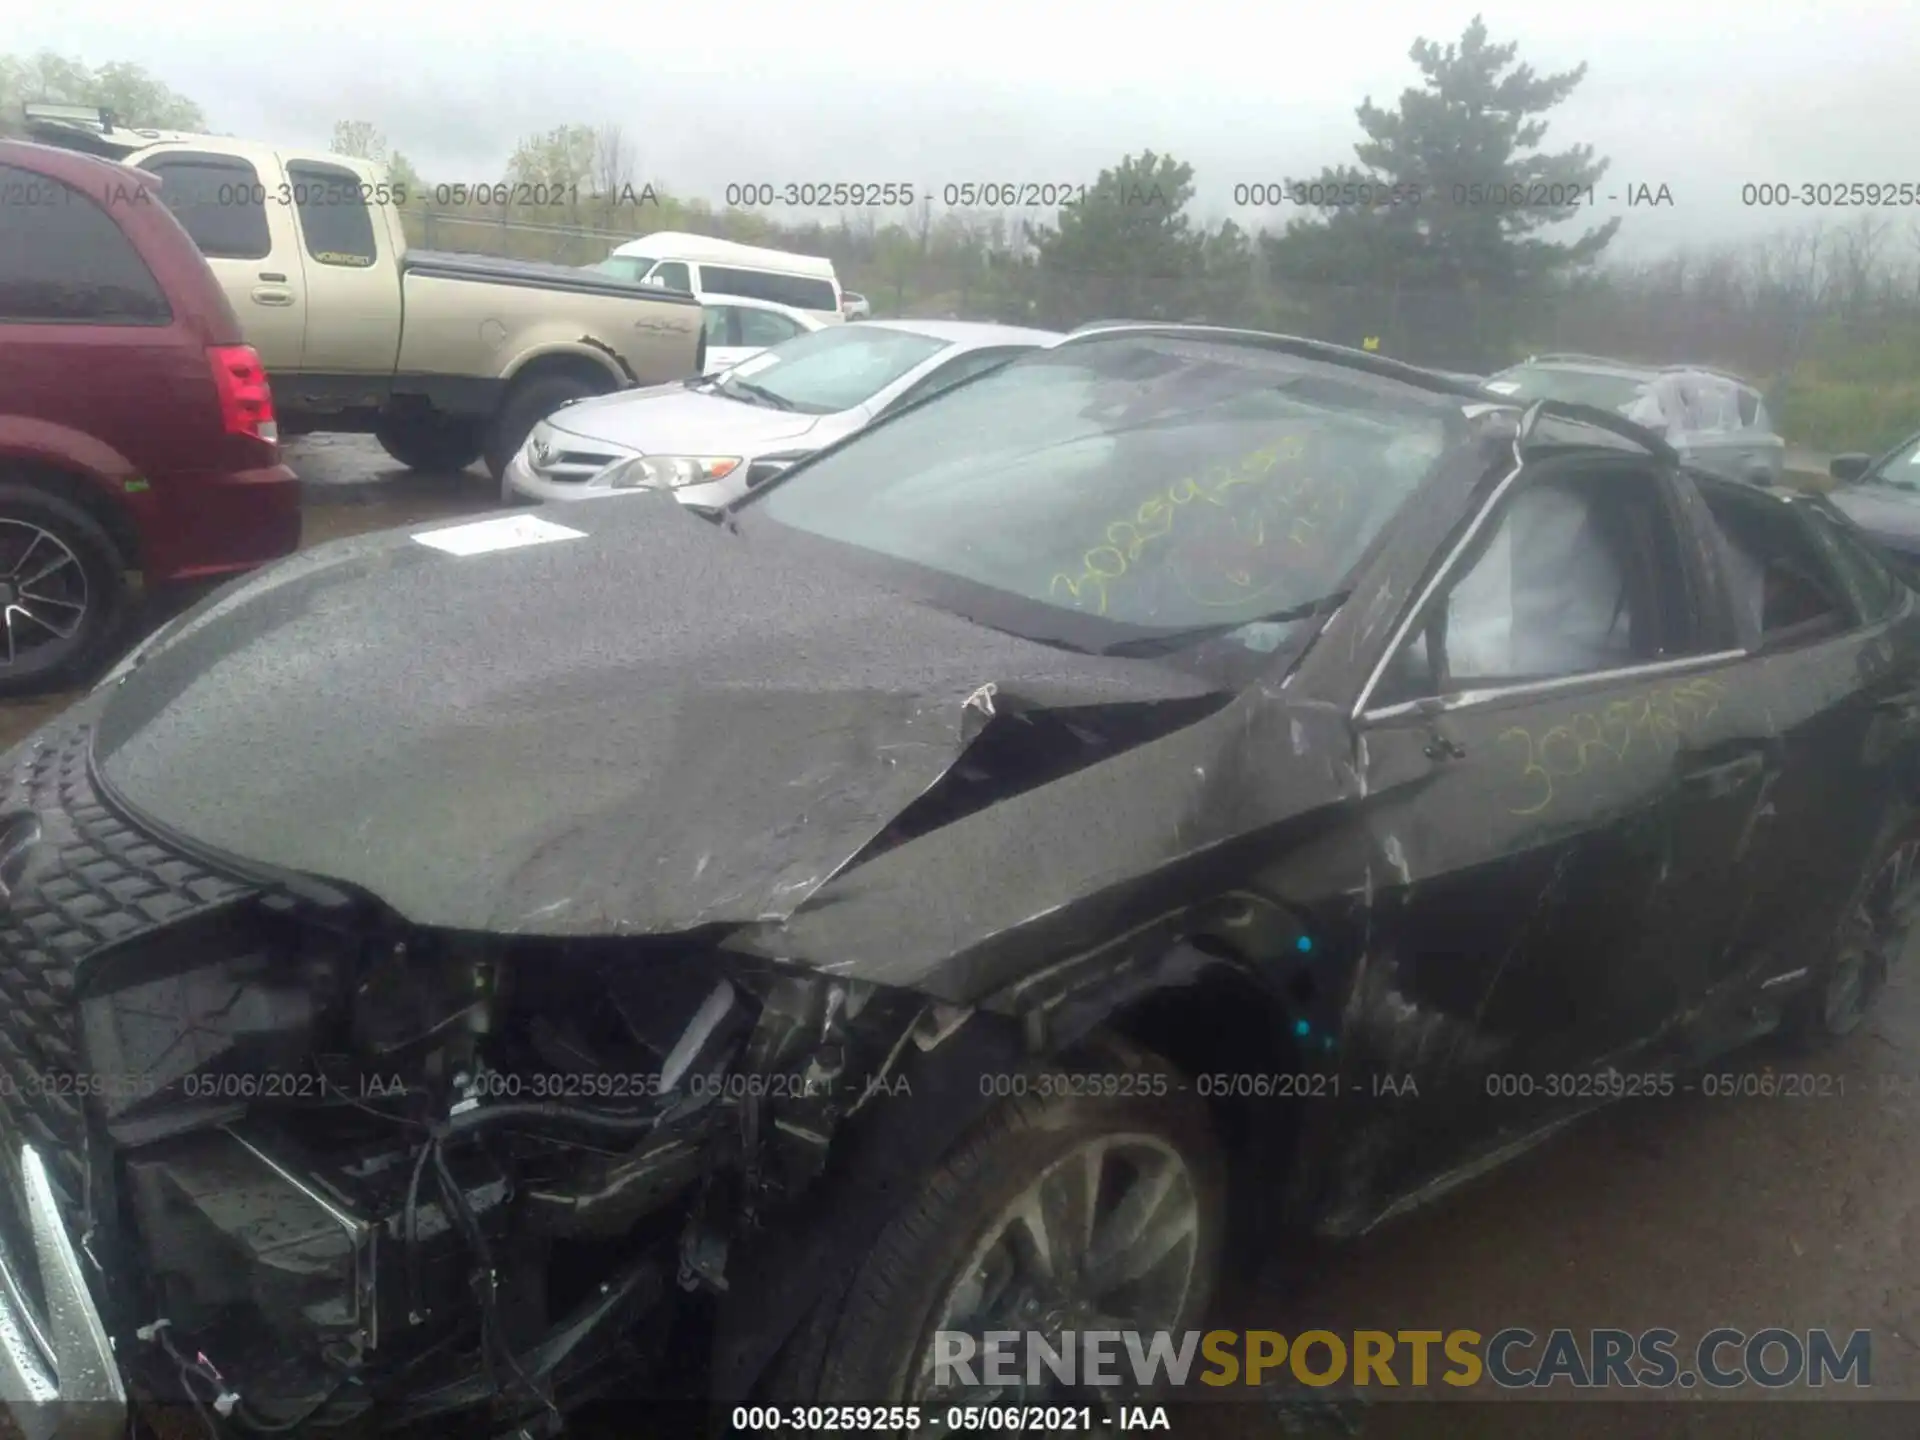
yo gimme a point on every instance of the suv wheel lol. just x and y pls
(527, 404)
(427, 440)
(62, 589)
(1064, 1212)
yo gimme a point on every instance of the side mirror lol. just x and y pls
(1848, 467)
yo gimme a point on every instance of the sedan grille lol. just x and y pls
(565, 463)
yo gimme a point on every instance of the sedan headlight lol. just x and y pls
(670, 472)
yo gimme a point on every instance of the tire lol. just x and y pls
(863, 1342)
(1875, 931)
(428, 440)
(76, 584)
(527, 404)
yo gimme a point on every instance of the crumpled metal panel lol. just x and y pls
(648, 728)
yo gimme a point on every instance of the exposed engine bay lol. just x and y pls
(449, 1179)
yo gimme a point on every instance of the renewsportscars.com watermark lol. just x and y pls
(1512, 1359)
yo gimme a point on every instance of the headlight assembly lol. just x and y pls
(670, 472)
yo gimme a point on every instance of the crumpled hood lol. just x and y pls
(674, 420)
(654, 726)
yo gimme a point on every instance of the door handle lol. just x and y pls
(271, 295)
(1727, 776)
(273, 275)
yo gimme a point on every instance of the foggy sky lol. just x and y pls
(1701, 97)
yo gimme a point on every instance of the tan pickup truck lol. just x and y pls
(444, 358)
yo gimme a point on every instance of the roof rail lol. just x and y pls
(1370, 361)
(1589, 359)
(85, 117)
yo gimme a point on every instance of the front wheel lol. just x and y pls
(62, 591)
(1057, 1215)
(527, 404)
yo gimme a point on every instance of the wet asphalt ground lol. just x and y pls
(1687, 1213)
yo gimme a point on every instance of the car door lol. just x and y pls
(1835, 668)
(724, 349)
(233, 208)
(353, 280)
(1558, 776)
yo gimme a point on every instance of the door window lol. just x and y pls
(1579, 573)
(719, 326)
(218, 200)
(332, 204)
(63, 259)
(763, 328)
(672, 274)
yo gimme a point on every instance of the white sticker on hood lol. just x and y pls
(510, 532)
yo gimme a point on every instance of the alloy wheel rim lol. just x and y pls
(43, 591)
(1106, 1238)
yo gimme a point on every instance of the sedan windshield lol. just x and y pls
(1135, 485)
(1600, 388)
(1901, 469)
(828, 371)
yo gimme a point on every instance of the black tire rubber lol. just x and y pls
(428, 440)
(527, 404)
(1809, 1025)
(856, 1344)
(64, 662)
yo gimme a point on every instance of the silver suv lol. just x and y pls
(1715, 420)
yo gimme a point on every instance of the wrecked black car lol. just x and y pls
(1184, 789)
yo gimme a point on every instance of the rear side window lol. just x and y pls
(1780, 576)
(63, 259)
(795, 290)
(220, 202)
(334, 219)
(1875, 588)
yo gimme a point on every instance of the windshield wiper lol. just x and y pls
(1170, 640)
(760, 393)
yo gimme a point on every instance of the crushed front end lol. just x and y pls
(282, 1158)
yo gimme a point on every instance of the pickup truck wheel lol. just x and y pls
(429, 441)
(527, 404)
(62, 590)
(1075, 1211)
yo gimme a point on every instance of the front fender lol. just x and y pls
(777, 1278)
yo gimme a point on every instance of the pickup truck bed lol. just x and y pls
(443, 357)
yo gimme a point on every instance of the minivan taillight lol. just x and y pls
(246, 400)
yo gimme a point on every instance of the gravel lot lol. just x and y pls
(1687, 1213)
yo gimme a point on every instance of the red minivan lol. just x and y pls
(136, 428)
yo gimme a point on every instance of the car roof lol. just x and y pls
(968, 334)
(680, 245)
(748, 302)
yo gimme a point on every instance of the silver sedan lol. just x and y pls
(712, 439)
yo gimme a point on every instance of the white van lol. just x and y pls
(703, 266)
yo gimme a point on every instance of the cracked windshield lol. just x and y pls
(1026, 721)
